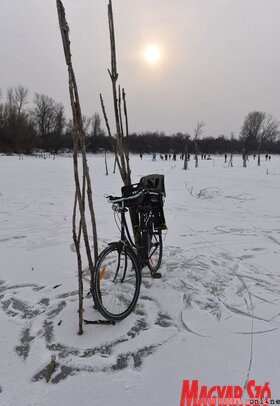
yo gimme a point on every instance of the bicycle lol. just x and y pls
(117, 273)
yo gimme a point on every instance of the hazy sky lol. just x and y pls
(219, 59)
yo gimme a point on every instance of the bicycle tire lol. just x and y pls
(155, 250)
(116, 282)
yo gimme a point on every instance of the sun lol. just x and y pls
(152, 54)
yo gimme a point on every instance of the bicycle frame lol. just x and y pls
(141, 251)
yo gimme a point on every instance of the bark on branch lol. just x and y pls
(119, 100)
(79, 142)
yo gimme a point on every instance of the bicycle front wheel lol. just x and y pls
(116, 282)
(155, 250)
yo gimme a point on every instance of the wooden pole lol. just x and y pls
(121, 150)
(79, 141)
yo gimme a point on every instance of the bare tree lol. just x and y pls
(96, 128)
(249, 132)
(17, 98)
(50, 120)
(10, 103)
(60, 120)
(258, 127)
(44, 115)
(17, 128)
(269, 132)
(197, 133)
(20, 98)
(86, 123)
(59, 125)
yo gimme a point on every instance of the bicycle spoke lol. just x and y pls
(155, 252)
(117, 283)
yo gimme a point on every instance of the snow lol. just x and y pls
(214, 316)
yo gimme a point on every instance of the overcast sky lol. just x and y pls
(219, 59)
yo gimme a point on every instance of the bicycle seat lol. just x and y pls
(153, 183)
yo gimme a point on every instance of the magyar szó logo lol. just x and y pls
(252, 394)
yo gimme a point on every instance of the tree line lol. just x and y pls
(44, 126)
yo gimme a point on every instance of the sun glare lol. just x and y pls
(152, 54)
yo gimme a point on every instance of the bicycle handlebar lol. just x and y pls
(116, 199)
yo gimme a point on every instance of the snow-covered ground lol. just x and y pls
(214, 316)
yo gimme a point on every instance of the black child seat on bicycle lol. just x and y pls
(155, 185)
(149, 183)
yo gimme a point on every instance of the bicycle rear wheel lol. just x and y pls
(116, 282)
(155, 250)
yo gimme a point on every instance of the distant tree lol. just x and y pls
(17, 132)
(17, 98)
(269, 132)
(197, 134)
(10, 99)
(60, 119)
(96, 129)
(56, 136)
(249, 132)
(20, 98)
(258, 127)
(44, 116)
(97, 139)
(49, 118)
(86, 123)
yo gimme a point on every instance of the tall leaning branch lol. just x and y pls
(79, 141)
(119, 100)
(125, 174)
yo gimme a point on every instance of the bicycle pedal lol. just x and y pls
(156, 275)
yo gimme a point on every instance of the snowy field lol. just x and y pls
(214, 316)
